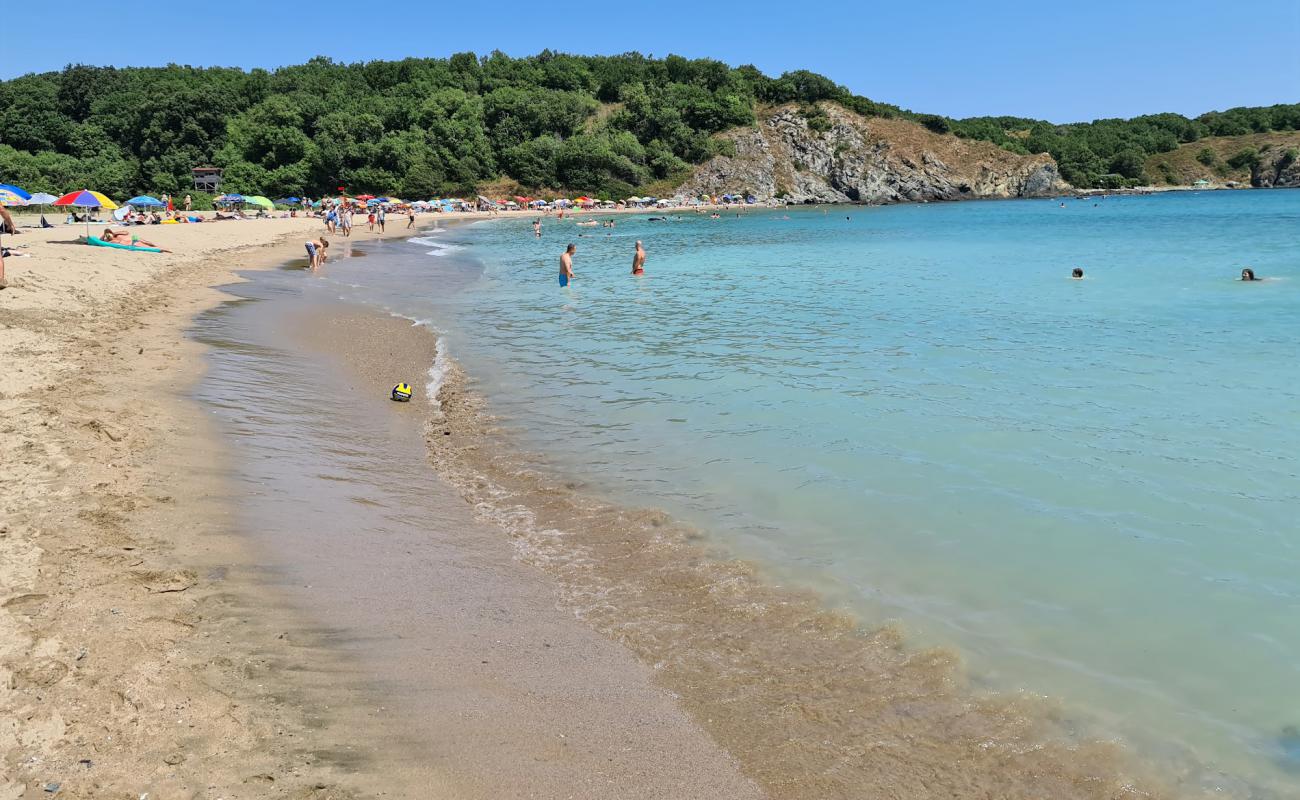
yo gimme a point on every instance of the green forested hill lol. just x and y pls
(433, 126)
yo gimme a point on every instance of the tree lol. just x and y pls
(1129, 163)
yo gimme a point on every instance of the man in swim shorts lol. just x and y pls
(638, 260)
(566, 264)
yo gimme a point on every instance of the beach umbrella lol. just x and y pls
(365, 197)
(84, 198)
(260, 201)
(145, 201)
(11, 195)
(41, 199)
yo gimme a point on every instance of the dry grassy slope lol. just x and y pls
(1184, 167)
(908, 139)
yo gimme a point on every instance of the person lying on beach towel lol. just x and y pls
(123, 237)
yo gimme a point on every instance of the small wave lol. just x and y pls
(441, 361)
(438, 248)
(438, 372)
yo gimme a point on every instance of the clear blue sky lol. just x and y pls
(1063, 61)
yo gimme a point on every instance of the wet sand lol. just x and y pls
(484, 672)
(148, 647)
(141, 652)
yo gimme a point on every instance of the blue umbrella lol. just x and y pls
(10, 188)
(230, 198)
(292, 200)
(145, 201)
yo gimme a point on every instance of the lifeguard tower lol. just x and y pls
(207, 179)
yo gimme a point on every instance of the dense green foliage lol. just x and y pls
(419, 127)
(411, 128)
(1112, 152)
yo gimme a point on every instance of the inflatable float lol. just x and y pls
(98, 242)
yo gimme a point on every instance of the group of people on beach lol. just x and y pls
(338, 218)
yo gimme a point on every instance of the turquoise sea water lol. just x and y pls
(1091, 488)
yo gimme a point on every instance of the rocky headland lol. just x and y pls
(831, 155)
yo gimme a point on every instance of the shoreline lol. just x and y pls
(550, 516)
(785, 683)
(150, 649)
(194, 613)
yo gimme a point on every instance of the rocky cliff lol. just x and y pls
(1276, 168)
(861, 160)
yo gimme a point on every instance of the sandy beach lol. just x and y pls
(145, 647)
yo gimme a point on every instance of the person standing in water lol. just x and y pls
(566, 264)
(537, 228)
(638, 260)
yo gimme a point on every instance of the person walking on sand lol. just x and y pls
(566, 264)
(410, 218)
(189, 203)
(383, 216)
(638, 260)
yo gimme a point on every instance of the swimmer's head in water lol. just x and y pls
(1077, 272)
(1248, 274)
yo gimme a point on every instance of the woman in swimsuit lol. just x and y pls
(131, 239)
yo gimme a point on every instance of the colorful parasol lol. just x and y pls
(85, 198)
(13, 196)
